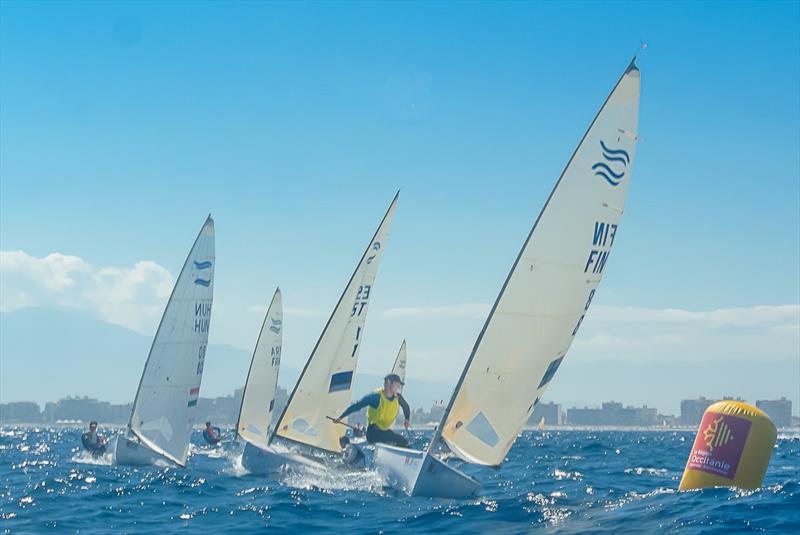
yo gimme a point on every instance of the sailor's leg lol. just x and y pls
(397, 439)
(375, 434)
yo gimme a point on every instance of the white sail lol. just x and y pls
(323, 389)
(549, 289)
(258, 398)
(162, 415)
(399, 367)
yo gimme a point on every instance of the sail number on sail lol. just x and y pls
(602, 240)
(202, 318)
(362, 298)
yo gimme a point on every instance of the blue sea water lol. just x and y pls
(553, 481)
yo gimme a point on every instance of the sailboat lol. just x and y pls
(323, 389)
(399, 367)
(161, 421)
(538, 311)
(254, 425)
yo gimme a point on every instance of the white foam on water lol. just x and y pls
(235, 467)
(642, 470)
(84, 457)
(212, 452)
(332, 479)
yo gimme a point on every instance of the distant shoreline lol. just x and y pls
(423, 427)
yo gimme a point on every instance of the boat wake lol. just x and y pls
(212, 452)
(84, 457)
(328, 480)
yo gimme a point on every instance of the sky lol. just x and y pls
(122, 125)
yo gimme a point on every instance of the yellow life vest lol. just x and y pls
(386, 412)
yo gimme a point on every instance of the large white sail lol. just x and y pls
(162, 415)
(399, 367)
(258, 398)
(549, 289)
(323, 389)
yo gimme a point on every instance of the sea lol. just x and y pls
(562, 481)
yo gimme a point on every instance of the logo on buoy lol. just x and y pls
(718, 446)
(717, 434)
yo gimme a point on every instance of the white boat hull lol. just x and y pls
(132, 453)
(418, 473)
(257, 460)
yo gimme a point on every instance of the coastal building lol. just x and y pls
(551, 412)
(692, 410)
(779, 411)
(85, 409)
(613, 413)
(19, 412)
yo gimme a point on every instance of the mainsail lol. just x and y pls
(323, 389)
(258, 398)
(549, 289)
(399, 367)
(162, 415)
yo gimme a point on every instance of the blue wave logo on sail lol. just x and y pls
(375, 247)
(203, 282)
(276, 326)
(615, 165)
(202, 265)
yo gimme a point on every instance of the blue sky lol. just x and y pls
(123, 124)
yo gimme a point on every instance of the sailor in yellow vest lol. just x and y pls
(382, 407)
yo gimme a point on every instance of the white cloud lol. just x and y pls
(132, 297)
(637, 333)
(467, 310)
(260, 310)
(764, 315)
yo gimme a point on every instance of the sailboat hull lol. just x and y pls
(257, 460)
(132, 453)
(418, 473)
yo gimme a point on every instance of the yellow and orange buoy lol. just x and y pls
(732, 448)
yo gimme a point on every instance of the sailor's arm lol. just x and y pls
(404, 405)
(372, 400)
(406, 410)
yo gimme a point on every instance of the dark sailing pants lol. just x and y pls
(375, 434)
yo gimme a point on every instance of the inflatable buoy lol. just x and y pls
(732, 448)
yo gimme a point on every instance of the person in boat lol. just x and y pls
(213, 435)
(382, 408)
(93, 442)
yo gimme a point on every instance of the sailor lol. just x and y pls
(212, 434)
(92, 441)
(382, 407)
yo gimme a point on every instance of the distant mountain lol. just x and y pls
(47, 354)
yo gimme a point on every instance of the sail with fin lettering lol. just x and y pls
(549, 289)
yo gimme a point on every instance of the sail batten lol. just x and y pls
(550, 287)
(258, 398)
(323, 389)
(162, 415)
